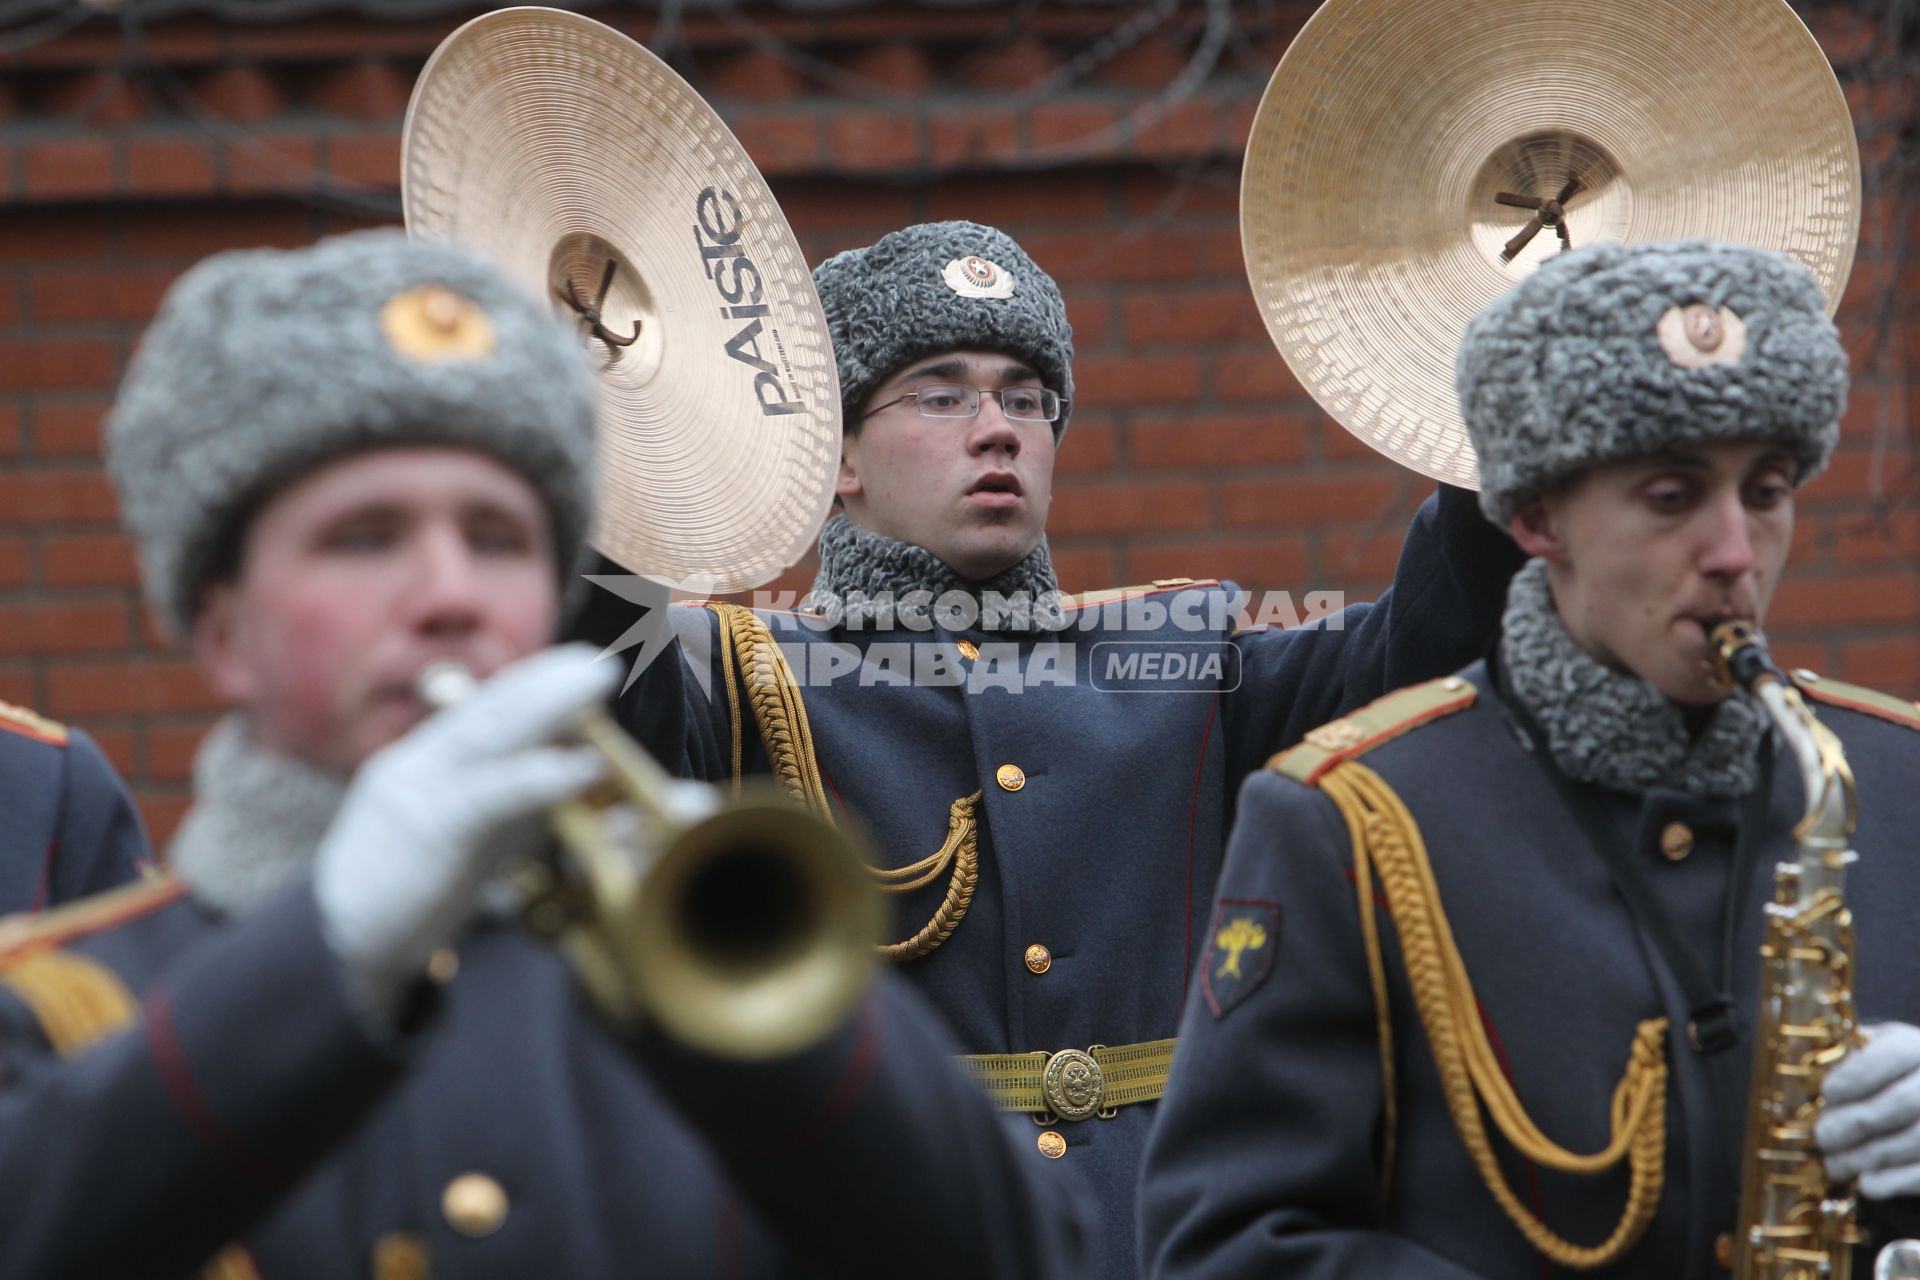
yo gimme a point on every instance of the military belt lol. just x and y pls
(1072, 1084)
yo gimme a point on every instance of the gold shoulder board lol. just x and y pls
(1857, 698)
(31, 724)
(1089, 599)
(1382, 719)
(24, 934)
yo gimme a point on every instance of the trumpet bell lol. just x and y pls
(756, 933)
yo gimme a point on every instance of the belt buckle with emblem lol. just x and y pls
(1074, 1085)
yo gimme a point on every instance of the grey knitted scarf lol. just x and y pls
(862, 571)
(1610, 727)
(255, 822)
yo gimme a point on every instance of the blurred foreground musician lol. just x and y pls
(315, 1048)
(1512, 917)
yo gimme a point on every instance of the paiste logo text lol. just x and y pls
(717, 227)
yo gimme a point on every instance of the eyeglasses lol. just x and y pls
(1020, 404)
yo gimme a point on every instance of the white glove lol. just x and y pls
(433, 816)
(1870, 1128)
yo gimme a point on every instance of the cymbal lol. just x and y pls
(1369, 201)
(596, 175)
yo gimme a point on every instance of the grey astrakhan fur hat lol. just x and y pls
(940, 286)
(1610, 353)
(263, 364)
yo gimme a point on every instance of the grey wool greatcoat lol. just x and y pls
(240, 1111)
(1267, 1159)
(1105, 797)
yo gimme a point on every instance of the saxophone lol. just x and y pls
(1795, 1224)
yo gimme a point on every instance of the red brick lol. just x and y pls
(1239, 441)
(9, 299)
(193, 230)
(98, 98)
(1203, 316)
(167, 167)
(1190, 128)
(1891, 664)
(896, 67)
(1008, 68)
(128, 688)
(1150, 64)
(241, 93)
(779, 142)
(262, 164)
(1088, 447)
(1792, 655)
(1130, 507)
(1844, 34)
(67, 169)
(1085, 568)
(39, 364)
(9, 431)
(373, 160)
(161, 812)
(46, 235)
(1072, 128)
(972, 139)
(1258, 563)
(1833, 600)
(822, 204)
(1119, 382)
(88, 560)
(1074, 256)
(17, 687)
(1310, 499)
(30, 497)
(171, 748)
(863, 141)
(1090, 312)
(78, 627)
(68, 429)
(1146, 192)
(750, 75)
(1021, 198)
(16, 563)
(1852, 473)
(84, 295)
(365, 89)
(1856, 539)
(117, 745)
(1254, 375)
(312, 39)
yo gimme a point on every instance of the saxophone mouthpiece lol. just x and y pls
(1740, 654)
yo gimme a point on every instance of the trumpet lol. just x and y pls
(743, 928)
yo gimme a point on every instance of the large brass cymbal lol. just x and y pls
(566, 150)
(1367, 202)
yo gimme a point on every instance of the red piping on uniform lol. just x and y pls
(837, 797)
(164, 1042)
(1193, 815)
(853, 1082)
(1347, 753)
(46, 875)
(1533, 1174)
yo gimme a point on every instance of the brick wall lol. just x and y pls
(1192, 452)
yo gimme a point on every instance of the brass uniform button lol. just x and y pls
(968, 650)
(1676, 841)
(1039, 959)
(474, 1205)
(1052, 1145)
(1723, 1249)
(1010, 778)
(443, 965)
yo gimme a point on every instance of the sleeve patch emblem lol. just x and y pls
(1240, 952)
